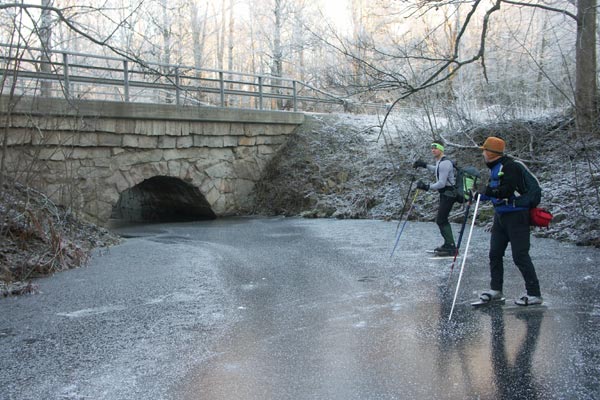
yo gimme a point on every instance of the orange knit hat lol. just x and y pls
(493, 144)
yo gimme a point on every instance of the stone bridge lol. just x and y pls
(142, 162)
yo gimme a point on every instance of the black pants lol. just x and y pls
(441, 219)
(513, 228)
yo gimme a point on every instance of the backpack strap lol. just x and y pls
(437, 174)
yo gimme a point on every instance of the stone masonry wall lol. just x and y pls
(85, 161)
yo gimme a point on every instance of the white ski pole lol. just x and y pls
(462, 267)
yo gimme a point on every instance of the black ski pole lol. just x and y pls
(412, 181)
(405, 221)
(475, 173)
(460, 235)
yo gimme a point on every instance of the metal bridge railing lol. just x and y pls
(71, 75)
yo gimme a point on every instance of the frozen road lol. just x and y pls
(300, 309)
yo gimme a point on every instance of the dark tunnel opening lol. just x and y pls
(162, 199)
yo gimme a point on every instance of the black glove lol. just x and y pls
(491, 192)
(423, 186)
(419, 164)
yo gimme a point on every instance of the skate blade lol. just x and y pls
(480, 303)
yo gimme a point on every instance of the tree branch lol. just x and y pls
(60, 13)
(541, 6)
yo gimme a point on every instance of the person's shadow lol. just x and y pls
(516, 381)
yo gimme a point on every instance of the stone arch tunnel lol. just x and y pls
(162, 199)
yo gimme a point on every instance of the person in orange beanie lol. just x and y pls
(511, 224)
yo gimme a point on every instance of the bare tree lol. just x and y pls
(393, 49)
(406, 63)
(230, 37)
(586, 83)
(46, 42)
(277, 55)
(359, 39)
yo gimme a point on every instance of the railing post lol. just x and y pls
(126, 79)
(294, 96)
(66, 75)
(222, 87)
(260, 92)
(177, 88)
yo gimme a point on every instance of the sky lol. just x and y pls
(338, 12)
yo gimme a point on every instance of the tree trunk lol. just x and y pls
(542, 59)
(585, 74)
(357, 37)
(221, 53)
(451, 28)
(231, 39)
(198, 38)
(277, 66)
(166, 47)
(230, 46)
(46, 41)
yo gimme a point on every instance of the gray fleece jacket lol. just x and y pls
(444, 172)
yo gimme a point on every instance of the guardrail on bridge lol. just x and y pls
(36, 72)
